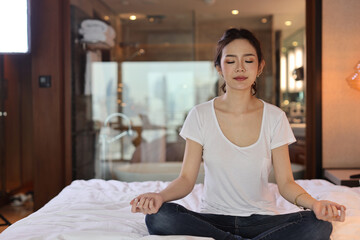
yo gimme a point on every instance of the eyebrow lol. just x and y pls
(245, 55)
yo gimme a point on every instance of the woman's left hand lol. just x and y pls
(329, 211)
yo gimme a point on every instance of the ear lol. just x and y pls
(261, 66)
(218, 69)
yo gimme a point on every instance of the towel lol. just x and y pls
(94, 31)
(93, 23)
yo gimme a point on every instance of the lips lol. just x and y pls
(240, 78)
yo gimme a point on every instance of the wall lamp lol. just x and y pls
(354, 79)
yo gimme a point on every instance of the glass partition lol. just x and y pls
(137, 70)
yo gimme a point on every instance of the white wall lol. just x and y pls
(341, 104)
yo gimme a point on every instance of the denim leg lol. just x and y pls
(294, 226)
(173, 219)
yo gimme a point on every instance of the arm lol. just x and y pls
(291, 191)
(149, 203)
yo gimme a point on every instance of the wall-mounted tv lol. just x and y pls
(14, 26)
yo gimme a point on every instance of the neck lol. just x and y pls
(238, 101)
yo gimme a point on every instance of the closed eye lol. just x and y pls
(230, 62)
(249, 61)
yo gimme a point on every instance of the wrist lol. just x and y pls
(305, 200)
(297, 198)
(162, 196)
(313, 203)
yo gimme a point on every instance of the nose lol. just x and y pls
(240, 68)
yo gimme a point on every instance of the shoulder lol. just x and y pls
(203, 108)
(272, 110)
(200, 112)
(274, 115)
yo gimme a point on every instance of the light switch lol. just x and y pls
(45, 81)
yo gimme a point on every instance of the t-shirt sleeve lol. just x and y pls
(282, 133)
(191, 128)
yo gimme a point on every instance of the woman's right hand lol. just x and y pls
(148, 203)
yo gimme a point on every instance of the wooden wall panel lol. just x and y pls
(48, 58)
(313, 160)
(66, 25)
(17, 136)
(12, 124)
(26, 121)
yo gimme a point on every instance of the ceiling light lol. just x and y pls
(235, 12)
(264, 20)
(132, 17)
(106, 18)
(288, 23)
(295, 43)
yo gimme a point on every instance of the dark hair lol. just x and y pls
(229, 36)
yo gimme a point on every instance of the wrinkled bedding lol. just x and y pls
(98, 209)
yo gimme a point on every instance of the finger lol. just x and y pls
(335, 211)
(338, 206)
(343, 214)
(156, 207)
(330, 213)
(323, 210)
(151, 206)
(146, 206)
(141, 203)
(134, 205)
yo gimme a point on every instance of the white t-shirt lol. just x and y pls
(236, 178)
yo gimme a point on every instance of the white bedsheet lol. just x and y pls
(98, 209)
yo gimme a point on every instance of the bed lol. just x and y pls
(99, 209)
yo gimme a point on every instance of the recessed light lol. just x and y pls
(288, 23)
(235, 12)
(264, 20)
(295, 43)
(132, 16)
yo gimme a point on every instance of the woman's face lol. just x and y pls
(239, 65)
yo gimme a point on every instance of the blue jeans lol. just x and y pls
(174, 219)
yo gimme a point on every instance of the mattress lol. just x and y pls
(98, 209)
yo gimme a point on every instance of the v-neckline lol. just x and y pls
(223, 135)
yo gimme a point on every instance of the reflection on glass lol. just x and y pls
(157, 101)
(104, 90)
(292, 79)
(158, 68)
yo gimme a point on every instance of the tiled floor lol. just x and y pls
(15, 213)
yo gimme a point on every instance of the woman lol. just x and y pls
(239, 137)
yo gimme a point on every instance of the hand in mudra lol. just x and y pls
(148, 203)
(329, 211)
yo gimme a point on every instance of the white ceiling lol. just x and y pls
(281, 10)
